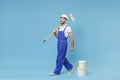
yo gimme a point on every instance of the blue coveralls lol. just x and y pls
(62, 49)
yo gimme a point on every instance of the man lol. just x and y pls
(62, 34)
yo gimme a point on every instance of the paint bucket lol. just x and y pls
(81, 73)
(82, 63)
(81, 69)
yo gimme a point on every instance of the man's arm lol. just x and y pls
(72, 41)
(55, 33)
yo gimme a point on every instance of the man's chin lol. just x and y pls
(61, 22)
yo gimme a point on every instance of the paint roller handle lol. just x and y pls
(46, 38)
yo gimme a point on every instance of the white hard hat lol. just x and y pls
(64, 16)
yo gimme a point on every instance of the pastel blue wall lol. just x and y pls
(25, 23)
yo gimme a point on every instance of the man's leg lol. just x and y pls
(68, 65)
(60, 59)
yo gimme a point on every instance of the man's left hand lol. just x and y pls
(72, 48)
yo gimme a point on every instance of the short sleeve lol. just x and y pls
(69, 29)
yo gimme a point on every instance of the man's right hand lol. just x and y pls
(54, 31)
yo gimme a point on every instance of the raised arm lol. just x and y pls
(55, 33)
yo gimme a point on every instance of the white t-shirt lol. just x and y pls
(67, 30)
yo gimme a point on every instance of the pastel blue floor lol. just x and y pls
(36, 73)
(25, 23)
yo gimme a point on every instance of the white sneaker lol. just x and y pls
(52, 74)
(71, 71)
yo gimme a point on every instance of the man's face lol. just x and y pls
(62, 20)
